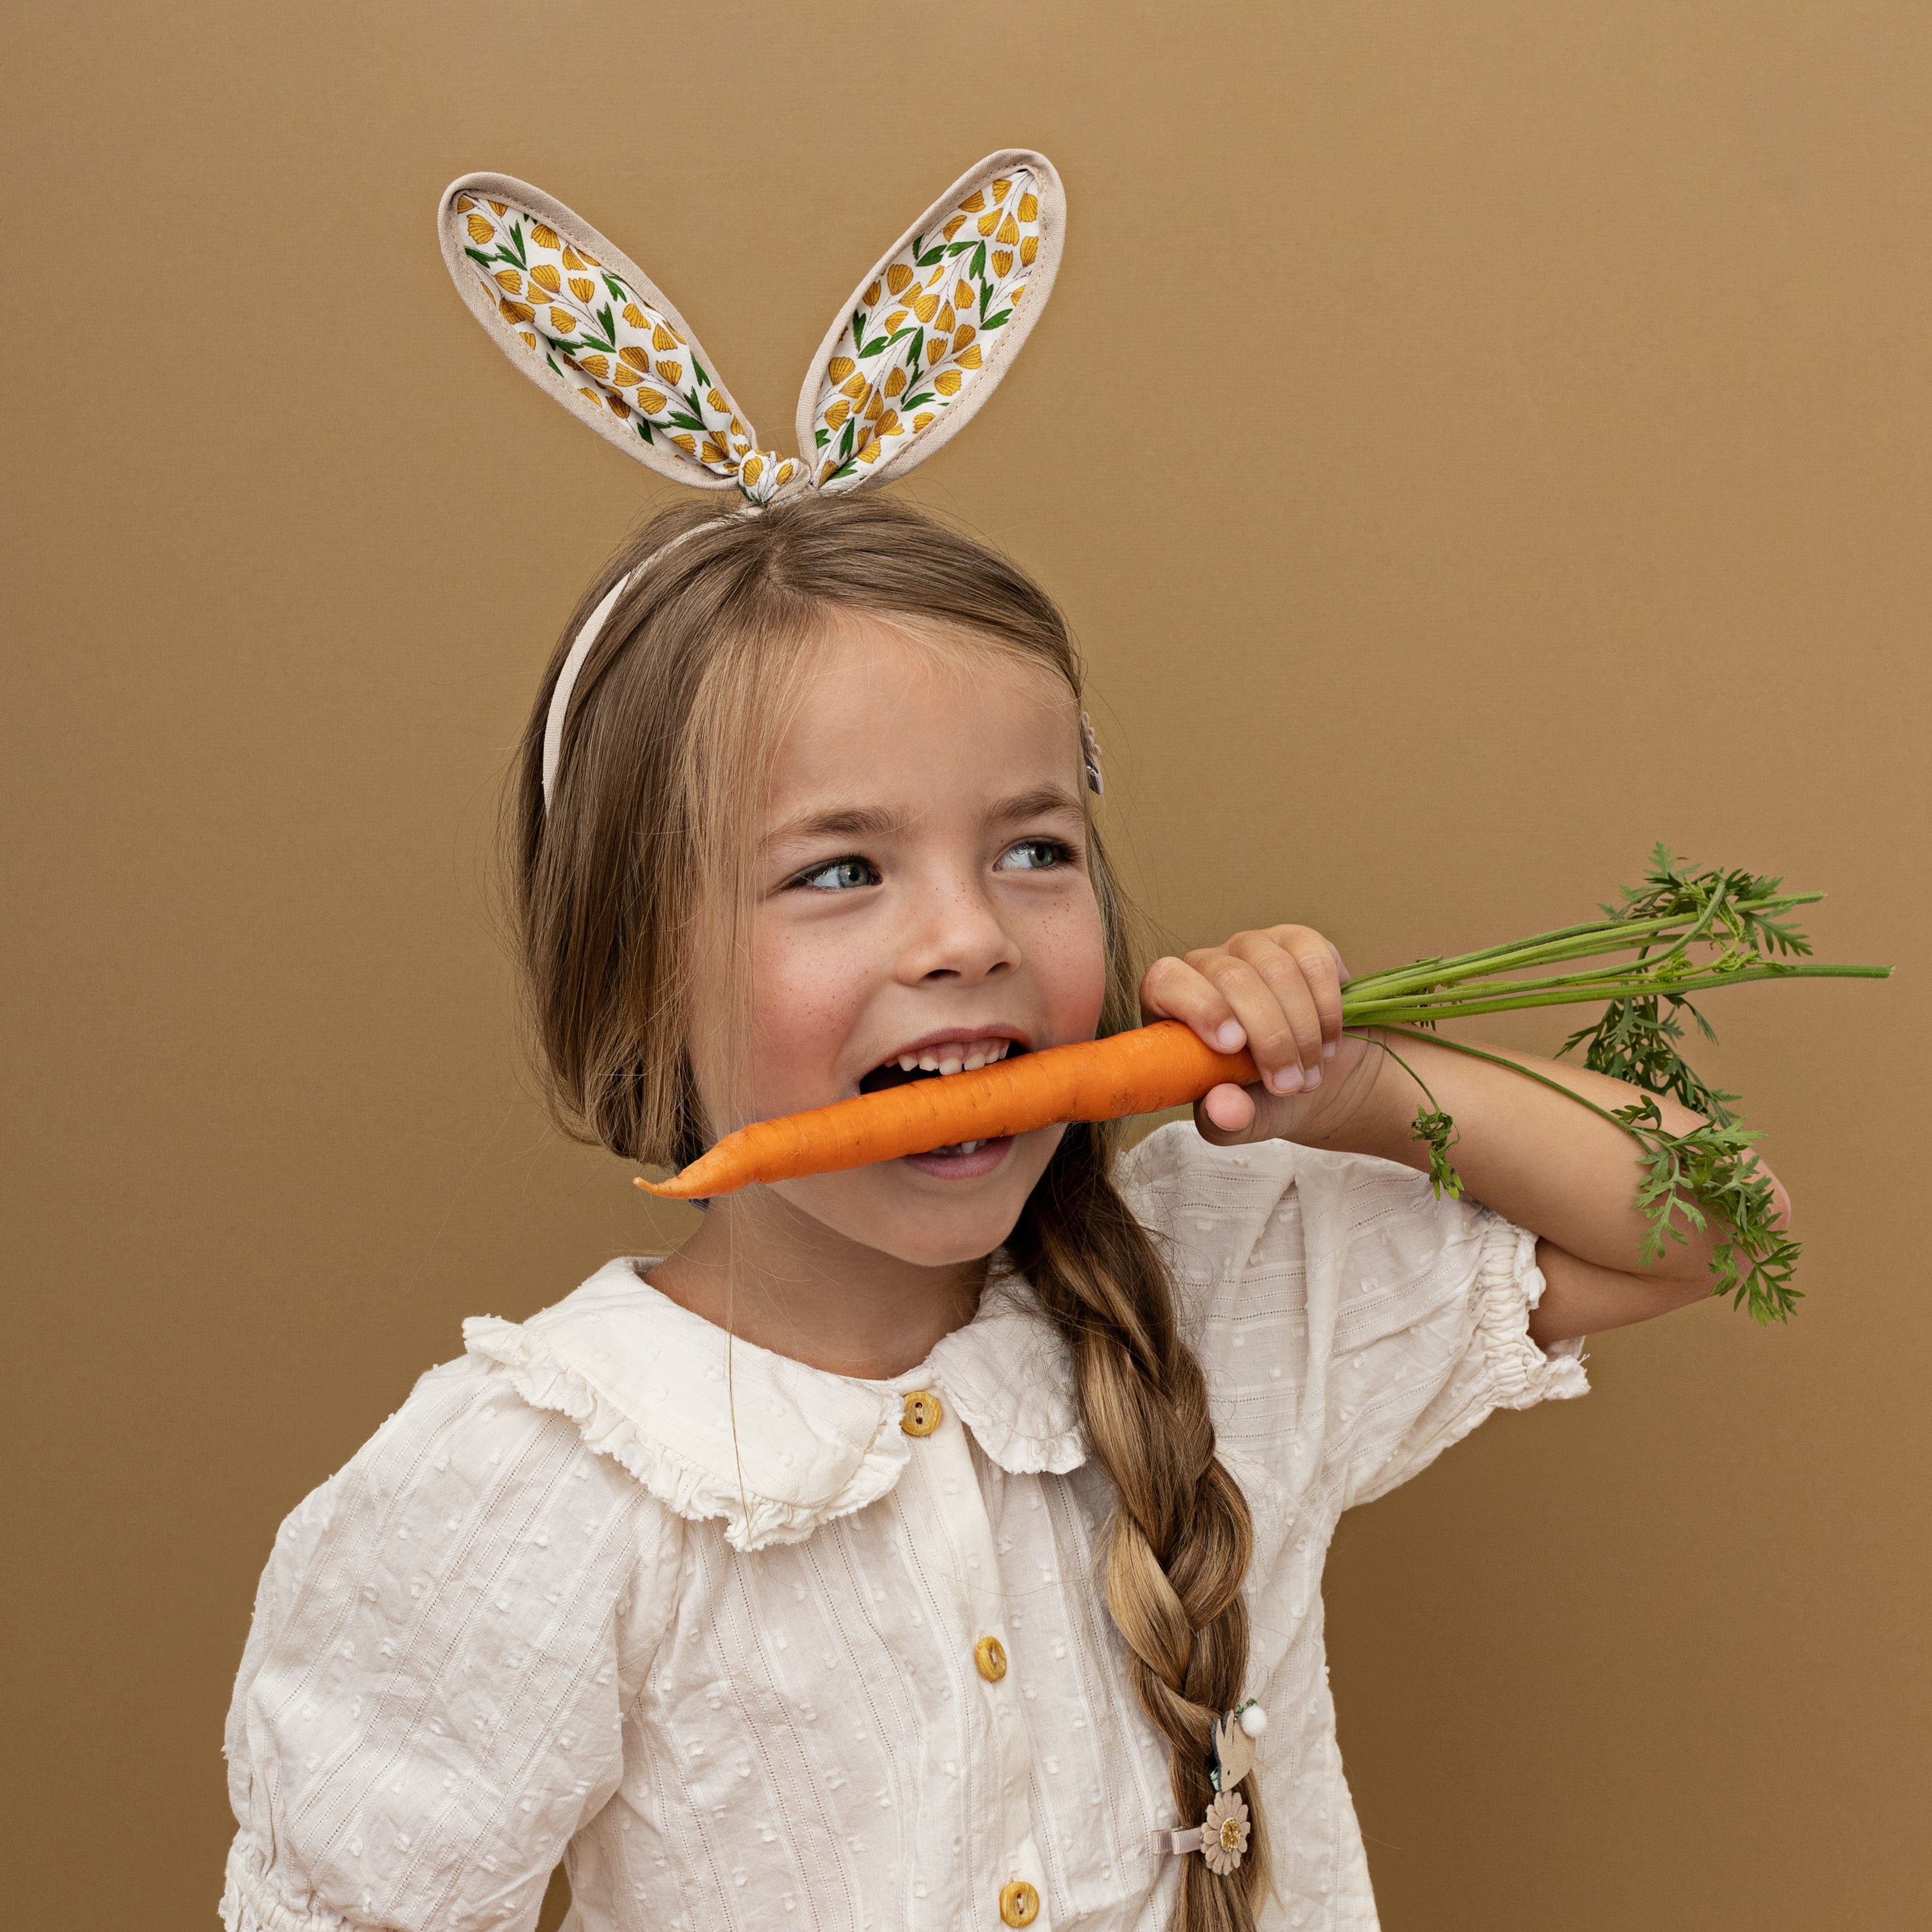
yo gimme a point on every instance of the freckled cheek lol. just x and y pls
(1069, 961)
(807, 994)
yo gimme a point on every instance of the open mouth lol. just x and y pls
(938, 1060)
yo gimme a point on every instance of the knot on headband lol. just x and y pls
(921, 344)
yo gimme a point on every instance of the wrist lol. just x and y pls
(1367, 1111)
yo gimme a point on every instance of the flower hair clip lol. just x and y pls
(920, 346)
(1222, 1836)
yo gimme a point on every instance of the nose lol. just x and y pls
(956, 934)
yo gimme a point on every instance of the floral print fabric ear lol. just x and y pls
(606, 342)
(921, 345)
(921, 326)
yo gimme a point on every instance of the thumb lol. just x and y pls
(1228, 1116)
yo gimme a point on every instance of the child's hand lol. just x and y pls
(1278, 992)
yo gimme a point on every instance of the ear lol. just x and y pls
(928, 335)
(592, 329)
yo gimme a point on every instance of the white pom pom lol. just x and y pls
(1254, 1720)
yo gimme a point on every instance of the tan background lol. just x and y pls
(1474, 441)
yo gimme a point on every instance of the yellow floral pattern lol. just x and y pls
(917, 337)
(599, 338)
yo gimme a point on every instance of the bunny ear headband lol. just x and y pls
(922, 344)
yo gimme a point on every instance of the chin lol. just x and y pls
(930, 1211)
(929, 1247)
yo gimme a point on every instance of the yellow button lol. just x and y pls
(990, 1654)
(921, 1415)
(1019, 1903)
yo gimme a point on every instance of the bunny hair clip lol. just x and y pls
(920, 346)
(1222, 1836)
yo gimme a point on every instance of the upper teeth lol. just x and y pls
(954, 1056)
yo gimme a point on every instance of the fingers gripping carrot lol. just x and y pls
(1139, 1072)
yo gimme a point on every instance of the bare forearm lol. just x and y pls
(1580, 1298)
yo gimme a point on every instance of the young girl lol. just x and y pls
(937, 1543)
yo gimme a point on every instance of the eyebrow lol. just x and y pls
(858, 821)
(839, 821)
(1039, 802)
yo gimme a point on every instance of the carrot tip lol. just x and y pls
(672, 1190)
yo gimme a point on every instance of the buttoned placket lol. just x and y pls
(952, 1541)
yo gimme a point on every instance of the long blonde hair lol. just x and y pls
(673, 721)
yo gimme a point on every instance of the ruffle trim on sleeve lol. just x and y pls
(753, 1516)
(1500, 1367)
(247, 1904)
(1509, 1284)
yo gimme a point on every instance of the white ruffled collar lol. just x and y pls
(645, 1381)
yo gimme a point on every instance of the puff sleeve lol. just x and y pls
(444, 1639)
(1351, 1325)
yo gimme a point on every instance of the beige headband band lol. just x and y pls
(579, 650)
(562, 691)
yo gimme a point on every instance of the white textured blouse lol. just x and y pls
(555, 1609)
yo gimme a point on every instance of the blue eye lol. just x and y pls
(840, 876)
(1033, 855)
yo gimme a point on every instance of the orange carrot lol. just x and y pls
(1165, 1065)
